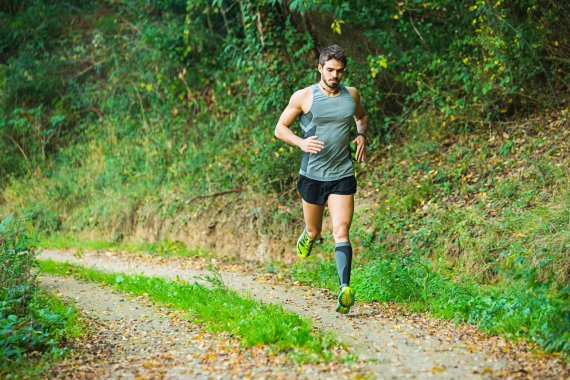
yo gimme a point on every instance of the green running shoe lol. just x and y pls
(346, 299)
(304, 245)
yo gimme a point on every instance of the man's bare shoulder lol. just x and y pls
(353, 91)
(301, 99)
(301, 95)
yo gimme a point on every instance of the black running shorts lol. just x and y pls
(317, 192)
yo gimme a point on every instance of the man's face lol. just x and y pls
(331, 72)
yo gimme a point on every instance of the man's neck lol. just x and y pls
(328, 90)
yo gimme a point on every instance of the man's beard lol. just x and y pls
(333, 85)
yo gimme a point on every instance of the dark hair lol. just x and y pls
(332, 52)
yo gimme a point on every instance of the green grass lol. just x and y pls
(535, 313)
(163, 248)
(219, 308)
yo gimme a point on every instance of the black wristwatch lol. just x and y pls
(361, 134)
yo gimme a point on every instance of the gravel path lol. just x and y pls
(395, 344)
(131, 338)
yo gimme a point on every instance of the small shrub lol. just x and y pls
(33, 325)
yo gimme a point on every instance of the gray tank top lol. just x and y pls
(330, 118)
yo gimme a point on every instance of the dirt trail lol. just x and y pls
(395, 344)
(132, 338)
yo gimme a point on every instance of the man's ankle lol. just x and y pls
(312, 236)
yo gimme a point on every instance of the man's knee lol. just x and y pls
(340, 232)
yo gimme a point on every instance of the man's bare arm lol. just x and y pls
(361, 126)
(360, 115)
(288, 117)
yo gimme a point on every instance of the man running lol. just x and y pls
(325, 111)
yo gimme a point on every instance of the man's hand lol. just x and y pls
(360, 142)
(311, 145)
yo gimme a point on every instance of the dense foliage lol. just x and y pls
(176, 68)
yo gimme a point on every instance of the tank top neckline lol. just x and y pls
(317, 88)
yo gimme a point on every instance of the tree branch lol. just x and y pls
(217, 194)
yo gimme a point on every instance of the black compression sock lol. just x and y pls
(343, 254)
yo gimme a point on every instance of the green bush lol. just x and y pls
(17, 259)
(34, 326)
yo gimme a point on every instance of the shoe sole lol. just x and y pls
(346, 299)
(342, 309)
